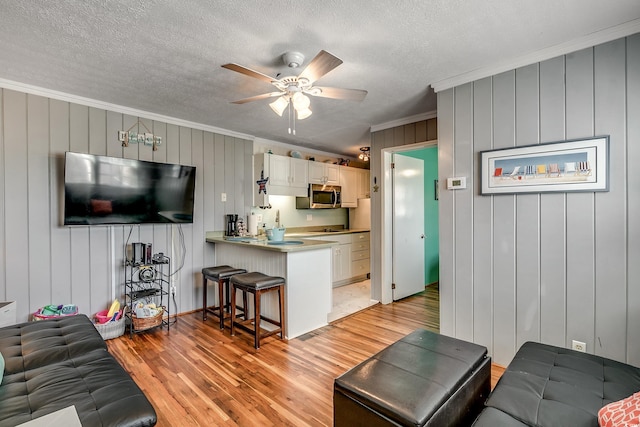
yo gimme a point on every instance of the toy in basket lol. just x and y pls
(53, 311)
(110, 323)
(146, 316)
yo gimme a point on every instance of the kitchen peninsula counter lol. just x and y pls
(305, 266)
(295, 245)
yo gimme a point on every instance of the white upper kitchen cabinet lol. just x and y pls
(350, 186)
(285, 176)
(324, 173)
(364, 186)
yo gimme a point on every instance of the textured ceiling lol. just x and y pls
(164, 57)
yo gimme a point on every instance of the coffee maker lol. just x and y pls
(231, 225)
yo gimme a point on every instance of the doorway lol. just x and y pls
(408, 226)
(426, 151)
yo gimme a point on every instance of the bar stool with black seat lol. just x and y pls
(220, 275)
(257, 284)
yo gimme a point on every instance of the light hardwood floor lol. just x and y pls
(196, 375)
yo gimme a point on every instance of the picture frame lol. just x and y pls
(563, 166)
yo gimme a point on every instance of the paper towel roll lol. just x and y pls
(253, 225)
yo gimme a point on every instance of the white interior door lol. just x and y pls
(408, 226)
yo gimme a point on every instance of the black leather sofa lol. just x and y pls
(551, 386)
(53, 364)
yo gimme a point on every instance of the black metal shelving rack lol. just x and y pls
(148, 282)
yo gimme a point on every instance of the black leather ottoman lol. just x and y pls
(424, 379)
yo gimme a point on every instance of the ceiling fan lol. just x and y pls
(293, 90)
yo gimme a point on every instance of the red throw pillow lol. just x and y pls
(623, 413)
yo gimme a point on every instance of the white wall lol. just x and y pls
(43, 262)
(544, 267)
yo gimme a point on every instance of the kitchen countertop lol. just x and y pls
(326, 233)
(263, 243)
(297, 236)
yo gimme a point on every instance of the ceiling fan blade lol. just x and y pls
(319, 66)
(337, 93)
(249, 72)
(257, 97)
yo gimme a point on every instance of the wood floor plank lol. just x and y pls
(196, 375)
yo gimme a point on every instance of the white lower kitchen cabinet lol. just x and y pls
(341, 262)
(360, 258)
(350, 260)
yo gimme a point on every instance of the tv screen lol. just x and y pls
(101, 190)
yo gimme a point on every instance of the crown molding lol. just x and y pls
(62, 96)
(260, 145)
(590, 40)
(405, 121)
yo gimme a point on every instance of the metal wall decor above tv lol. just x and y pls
(102, 190)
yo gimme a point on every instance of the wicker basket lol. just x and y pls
(111, 330)
(39, 316)
(142, 323)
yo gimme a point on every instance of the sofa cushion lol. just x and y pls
(32, 345)
(554, 386)
(623, 413)
(53, 364)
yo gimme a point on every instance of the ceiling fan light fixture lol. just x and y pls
(279, 105)
(293, 59)
(294, 90)
(300, 101)
(303, 113)
(365, 153)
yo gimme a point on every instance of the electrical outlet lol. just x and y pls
(223, 197)
(259, 218)
(173, 289)
(579, 346)
(309, 217)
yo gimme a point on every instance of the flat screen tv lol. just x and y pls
(101, 190)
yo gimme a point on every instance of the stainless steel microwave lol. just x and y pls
(320, 197)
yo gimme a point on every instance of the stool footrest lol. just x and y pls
(249, 326)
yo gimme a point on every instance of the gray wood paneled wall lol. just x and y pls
(43, 262)
(424, 130)
(544, 267)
